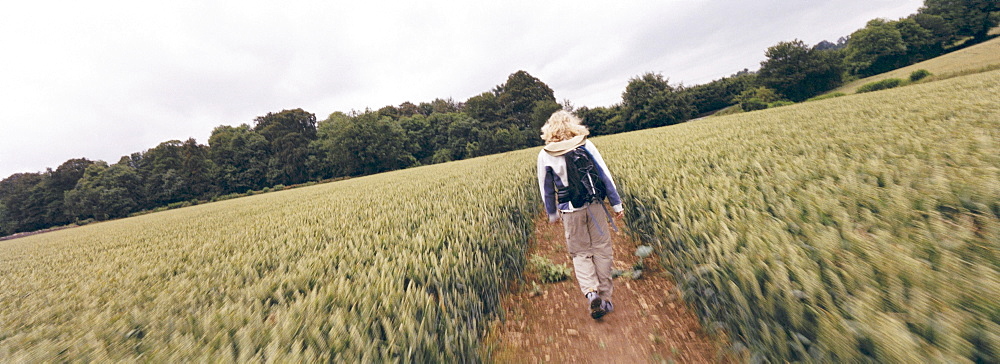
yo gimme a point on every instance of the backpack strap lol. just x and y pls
(608, 214)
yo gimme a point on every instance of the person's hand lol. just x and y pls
(620, 214)
(553, 219)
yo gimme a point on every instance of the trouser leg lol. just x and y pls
(579, 246)
(588, 240)
(602, 249)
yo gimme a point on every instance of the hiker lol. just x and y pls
(574, 180)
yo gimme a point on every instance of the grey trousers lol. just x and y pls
(588, 239)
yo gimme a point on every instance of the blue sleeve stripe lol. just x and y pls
(550, 192)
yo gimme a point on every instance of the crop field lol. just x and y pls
(977, 58)
(854, 229)
(404, 266)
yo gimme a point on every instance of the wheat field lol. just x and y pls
(860, 228)
(857, 229)
(404, 266)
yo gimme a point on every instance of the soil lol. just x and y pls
(30, 233)
(650, 324)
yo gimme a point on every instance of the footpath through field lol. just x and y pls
(650, 323)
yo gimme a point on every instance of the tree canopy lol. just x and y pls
(798, 71)
(967, 17)
(650, 101)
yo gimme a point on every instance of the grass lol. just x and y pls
(404, 266)
(860, 228)
(979, 58)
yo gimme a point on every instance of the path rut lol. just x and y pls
(650, 324)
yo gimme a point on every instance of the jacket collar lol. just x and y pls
(559, 148)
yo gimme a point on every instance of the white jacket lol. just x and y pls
(552, 175)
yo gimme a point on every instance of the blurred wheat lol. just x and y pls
(405, 266)
(854, 229)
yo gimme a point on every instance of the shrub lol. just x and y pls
(780, 103)
(757, 99)
(547, 271)
(919, 75)
(827, 96)
(735, 109)
(880, 85)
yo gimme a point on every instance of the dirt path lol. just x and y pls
(36, 232)
(650, 323)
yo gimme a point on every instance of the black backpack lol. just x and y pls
(585, 184)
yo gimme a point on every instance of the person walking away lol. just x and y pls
(574, 180)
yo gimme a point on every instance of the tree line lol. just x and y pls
(291, 147)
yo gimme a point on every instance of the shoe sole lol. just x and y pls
(596, 311)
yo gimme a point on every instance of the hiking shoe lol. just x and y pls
(608, 307)
(596, 305)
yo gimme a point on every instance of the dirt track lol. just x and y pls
(650, 323)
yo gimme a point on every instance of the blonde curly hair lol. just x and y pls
(563, 125)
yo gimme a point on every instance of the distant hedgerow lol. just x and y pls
(827, 96)
(779, 103)
(880, 85)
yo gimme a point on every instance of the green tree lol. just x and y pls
(287, 164)
(240, 156)
(407, 109)
(288, 133)
(484, 107)
(175, 171)
(6, 222)
(455, 133)
(443, 106)
(649, 101)
(364, 144)
(388, 111)
(540, 113)
(520, 95)
(756, 98)
(798, 71)
(719, 94)
(943, 32)
(875, 48)
(920, 42)
(420, 133)
(601, 120)
(105, 192)
(274, 125)
(967, 17)
(510, 111)
(34, 201)
(21, 212)
(498, 140)
(53, 188)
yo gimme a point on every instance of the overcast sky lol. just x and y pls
(102, 79)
